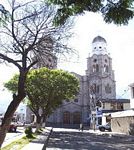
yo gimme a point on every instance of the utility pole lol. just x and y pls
(95, 107)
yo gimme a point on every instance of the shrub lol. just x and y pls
(29, 132)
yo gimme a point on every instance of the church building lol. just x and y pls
(97, 90)
(97, 94)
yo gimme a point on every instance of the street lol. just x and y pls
(20, 130)
(78, 140)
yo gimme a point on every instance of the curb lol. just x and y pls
(46, 142)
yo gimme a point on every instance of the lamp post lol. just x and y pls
(96, 109)
(93, 109)
(99, 112)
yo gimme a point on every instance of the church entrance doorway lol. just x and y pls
(66, 117)
(76, 118)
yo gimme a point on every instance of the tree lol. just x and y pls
(4, 14)
(46, 89)
(116, 11)
(28, 28)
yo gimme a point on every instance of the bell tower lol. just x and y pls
(101, 81)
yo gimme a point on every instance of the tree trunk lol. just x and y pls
(43, 124)
(12, 107)
(44, 121)
(8, 117)
(38, 123)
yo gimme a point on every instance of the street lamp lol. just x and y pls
(93, 109)
(96, 109)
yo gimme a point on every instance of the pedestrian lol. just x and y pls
(81, 126)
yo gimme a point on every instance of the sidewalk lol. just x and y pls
(12, 140)
(113, 134)
(40, 142)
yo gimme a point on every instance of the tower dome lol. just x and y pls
(99, 46)
(99, 39)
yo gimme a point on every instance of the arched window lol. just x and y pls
(106, 60)
(95, 60)
(95, 88)
(96, 68)
(106, 68)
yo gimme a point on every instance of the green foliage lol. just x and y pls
(12, 85)
(47, 88)
(29, 132)
(56, 83)
(118, 12)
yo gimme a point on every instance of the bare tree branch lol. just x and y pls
(9, 60)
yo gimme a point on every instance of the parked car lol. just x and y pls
(12, 127)
(107, 127)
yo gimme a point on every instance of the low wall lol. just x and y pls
(123, 124)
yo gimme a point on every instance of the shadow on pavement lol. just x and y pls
(87, 141)
(41, 138)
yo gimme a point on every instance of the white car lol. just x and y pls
(107, 127)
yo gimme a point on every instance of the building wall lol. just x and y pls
(126, 106)
(93, 86)
(30, 117)
(101, 78)
(132, 102)
(80, 104)
(123, 124)
(100, 72)
(114, 106)
(107, 106)
(132, 95)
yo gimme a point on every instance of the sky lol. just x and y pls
(120, 45)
